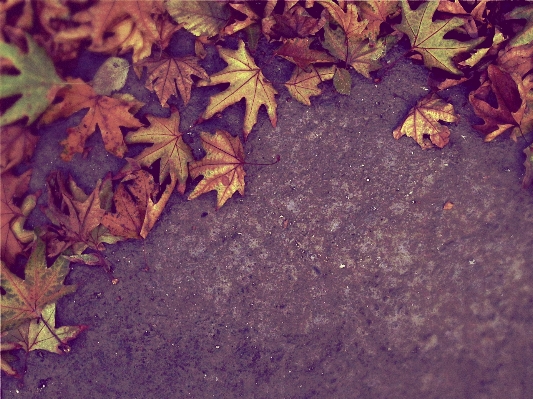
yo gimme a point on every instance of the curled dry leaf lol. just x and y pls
(221, 168)
(298, 52)
(246, 81)
(422, 122)
(12, 217)
(108, 113)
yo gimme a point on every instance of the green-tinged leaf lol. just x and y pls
(427, 36)
(525, 36)
(37, 82)
(342, 81)
(25, 299)
(111, 76)
(42, 334)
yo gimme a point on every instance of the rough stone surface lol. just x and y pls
(337, 275)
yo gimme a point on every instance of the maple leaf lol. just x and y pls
(132, 198)
(76, 216)
(36, 83)
(251, 18)
(221, 168)
(510, 94)
(200, 17)
(168, 146)
(12, 217)
(246, 81)
(376, 12)
(526, 35)
(356, 51)
(423, 121)
(298, 52)
(169, 75)
(25, 299)
(108, 113)
(427, 36)
(6, 357)
(16, 145)
(302, 84)
(41, 333)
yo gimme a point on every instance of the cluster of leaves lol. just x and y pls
(480, 41)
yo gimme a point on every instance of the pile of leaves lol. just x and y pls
(487, 43)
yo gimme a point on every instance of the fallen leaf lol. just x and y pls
(7, 357)
(510, 95)
(111, 76)
(298, 52)
(169, 76)
(528, 163)
(131, 199)
(302, 85)
(517, 59)
(422, 122)
(36, 83)
(200, 17)
(251, 18)
(246, 81)
(427, 36)
(41, 333)
(294, 22)
(376, 12)
(447, 206)
(221, 168)
(168, 146)
(17, 144)
(76, 217)
(526, 35)
(108, 113)
(13, 236)
(342, 81)
(25, 299)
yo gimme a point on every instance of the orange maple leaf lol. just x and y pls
(16, 145)
(304, 84)
(169, 75)
(246, 81)
(108, 113)
(298, 52)
(221, 168)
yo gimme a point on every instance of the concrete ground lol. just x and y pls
(337, 275)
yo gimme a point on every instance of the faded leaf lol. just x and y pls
(168, 146)
(526, 35)
(25, 299)
(427, 36)
(294, 22)
(36, 84)
(528, 163)
(298, 52)
(111, 76)
(41, 333)
(342, 81)
(13, 235)
(302, 85)
(376, 12)
(422, 122)
(200, 17)
(16, 145)
(246, 81)
(251, 18)
(221, 168)
(108, 113)
(169, 76)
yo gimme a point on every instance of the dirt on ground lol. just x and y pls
(338, 274)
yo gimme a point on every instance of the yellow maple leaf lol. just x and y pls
(304, 84)
(422, 122)
(221, 168)
(246, 81)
